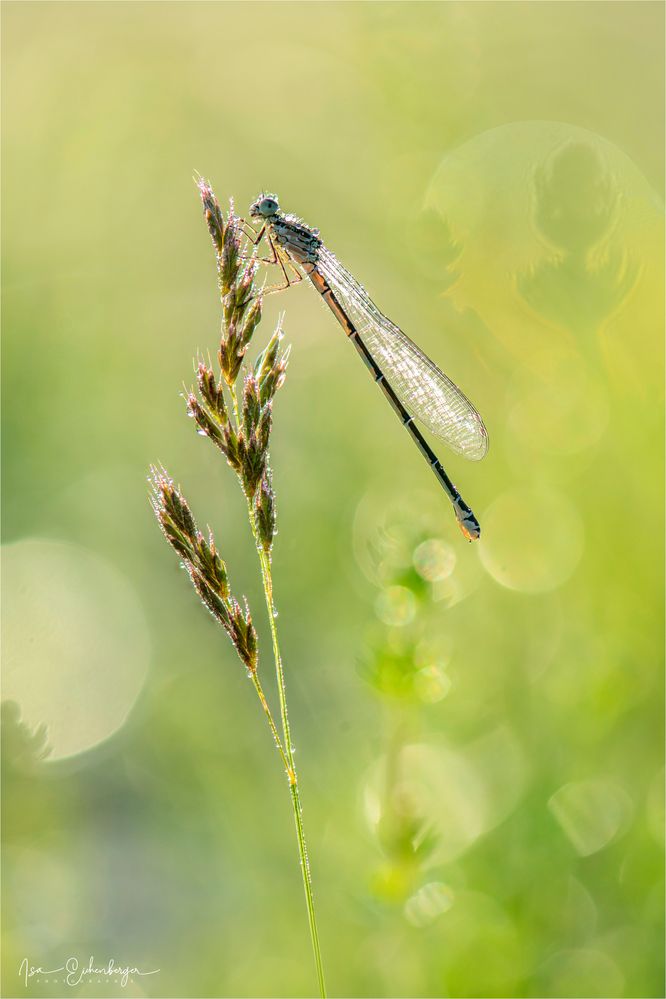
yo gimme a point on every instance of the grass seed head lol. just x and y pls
(207, 425)
(212, 214)
(212, 392)
(243, 439)
(251, 404)
(204, 565)
(229, 263)
(251, 321)
(254, 457)
(264, 512)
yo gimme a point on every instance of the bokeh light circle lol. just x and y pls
(408, 533)
(76, 643)
(396, 606)
(591, 813)
(388, 530)
(456, 794)
(428, 903)
(432, 683)
(532, 540)
(434, 560)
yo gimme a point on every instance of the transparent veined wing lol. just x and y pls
(425, 391)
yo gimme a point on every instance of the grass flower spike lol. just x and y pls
(205, 568)
(240, 428)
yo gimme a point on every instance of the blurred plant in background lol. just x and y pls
(22, 749)
(575, 210)
(404, 662)
(430, 240)
(243, 437)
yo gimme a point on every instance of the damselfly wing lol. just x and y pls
(414, 385)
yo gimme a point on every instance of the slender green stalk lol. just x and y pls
(273, 727)
(267, 578)
(288, 752)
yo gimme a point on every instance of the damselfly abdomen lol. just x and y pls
(413, 384)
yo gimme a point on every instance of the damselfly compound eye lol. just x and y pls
(268, 206)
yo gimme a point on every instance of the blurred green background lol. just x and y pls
(479, 728)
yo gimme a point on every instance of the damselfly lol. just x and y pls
(413, 384)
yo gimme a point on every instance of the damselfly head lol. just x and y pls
(264, 207)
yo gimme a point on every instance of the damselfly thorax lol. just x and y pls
(413, 384)
(298, 241)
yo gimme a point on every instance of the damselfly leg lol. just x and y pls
(281, 260)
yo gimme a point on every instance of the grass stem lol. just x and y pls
(267, 578)
(273, 727)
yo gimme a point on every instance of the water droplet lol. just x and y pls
(517, 549)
